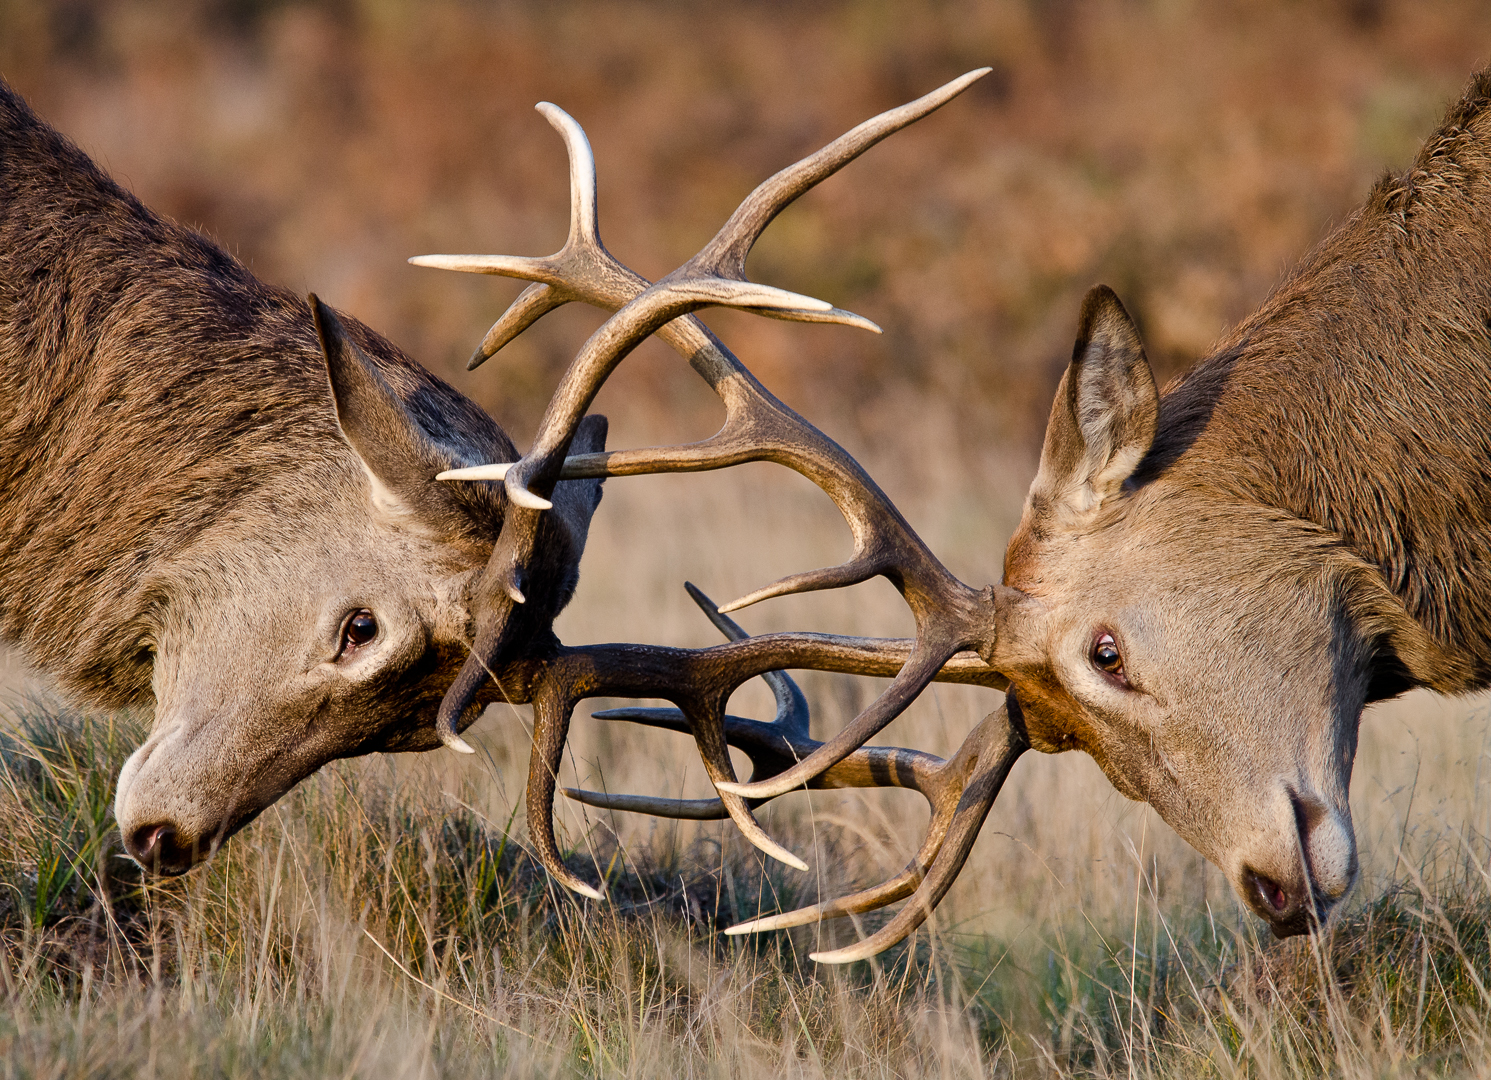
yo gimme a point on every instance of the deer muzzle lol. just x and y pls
(1295, 876)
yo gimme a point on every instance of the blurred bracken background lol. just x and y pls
(1184, 152)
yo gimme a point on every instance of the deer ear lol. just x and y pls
(1103, 420)
(404, 440)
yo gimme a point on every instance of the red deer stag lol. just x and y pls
(218, 501)
(221, 502)
(1205, 590)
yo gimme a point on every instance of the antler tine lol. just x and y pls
(583, 265)
(587, 672)
(726, 253)
(699, 682)
(960, 792)
(770, 747)
(792, 708)
(759, 427)
(985, 758)
(715, 276)
(943, 783)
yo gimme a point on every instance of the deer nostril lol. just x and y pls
(148, 843)
(1269, 891)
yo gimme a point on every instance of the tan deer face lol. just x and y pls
(327, 619)
(1206, 652)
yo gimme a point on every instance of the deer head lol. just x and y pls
(318, 621)
(1212, 652)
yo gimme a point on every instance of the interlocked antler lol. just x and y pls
(960, 793)
(950, 616)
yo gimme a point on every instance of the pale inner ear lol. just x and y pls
(392, 510)
(1104, 417)
(1107, 411)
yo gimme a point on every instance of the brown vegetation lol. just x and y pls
(1183, 153)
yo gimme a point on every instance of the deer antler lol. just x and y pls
(959, 791)
(950, 616)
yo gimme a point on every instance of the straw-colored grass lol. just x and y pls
(384, 919)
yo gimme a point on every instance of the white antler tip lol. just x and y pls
(750, 926)
(458, 744)
(768, 296)
(495, 471)
(585, 890)
(525, 498)
(785, 856)
(840, 956)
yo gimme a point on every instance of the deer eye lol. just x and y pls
(359, 630)
(1106, 657)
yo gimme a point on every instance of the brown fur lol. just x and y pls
(1309, 529)
(1357, 396)
(186, 519)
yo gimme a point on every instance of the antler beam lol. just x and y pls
(959, 791)
(950, 616)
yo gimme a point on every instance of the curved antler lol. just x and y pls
(960, 792)
(699, 682)
(950, 616)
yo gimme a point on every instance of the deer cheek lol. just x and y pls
(1054, 722)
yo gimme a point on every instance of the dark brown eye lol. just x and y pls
(1106, 657)
(360, 629)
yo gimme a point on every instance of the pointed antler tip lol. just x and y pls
(785, 856)
(585, 890)
(497, 470)
(842, 956)
(456, 743)
(521, 496)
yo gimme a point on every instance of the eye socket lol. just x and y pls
(1106, 657)
(360, 629)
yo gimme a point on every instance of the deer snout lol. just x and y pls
(164, 830)
(1294, 877)
(159, 848)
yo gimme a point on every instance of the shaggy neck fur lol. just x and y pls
(1359, 396)
(150, 389)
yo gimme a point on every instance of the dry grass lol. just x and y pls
(384, 920)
